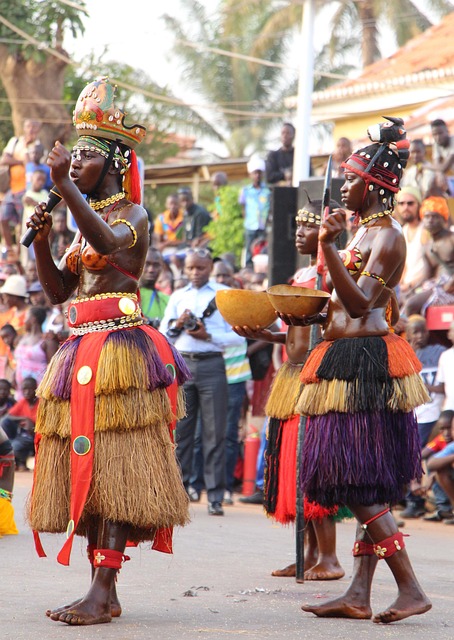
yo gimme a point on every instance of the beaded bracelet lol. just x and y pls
(133, 231)
(374, 275)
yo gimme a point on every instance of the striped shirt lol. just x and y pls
(237, 364)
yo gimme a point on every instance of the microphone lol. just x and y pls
(53, 199)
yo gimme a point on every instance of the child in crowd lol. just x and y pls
(33, 195)
(441, 462)
(6, 399)
(19, 424)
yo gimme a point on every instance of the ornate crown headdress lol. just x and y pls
(96, 115)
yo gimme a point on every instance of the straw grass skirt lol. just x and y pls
(136, 478)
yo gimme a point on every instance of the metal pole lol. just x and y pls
(301, 165)
(301, 160)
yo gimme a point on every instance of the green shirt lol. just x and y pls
(153, 303)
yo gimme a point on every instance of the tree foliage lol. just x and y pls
(227, 230)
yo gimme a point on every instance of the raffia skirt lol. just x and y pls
(362, 444)
(136, 478)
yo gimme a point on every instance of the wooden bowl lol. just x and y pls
(241, 307)
(297, 301)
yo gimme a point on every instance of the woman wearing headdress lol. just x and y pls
(361, 382)
(105, 464)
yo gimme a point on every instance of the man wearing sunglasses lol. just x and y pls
(408, 201)
(199, 332)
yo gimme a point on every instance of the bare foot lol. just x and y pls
(325, 571)
(85, 612)
(403, 608)
(287, 572)
(115, 606)
(340, 608)
(115, 609)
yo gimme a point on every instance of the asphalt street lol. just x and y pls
(217, 584)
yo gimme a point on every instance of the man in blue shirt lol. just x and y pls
(199, 332)
(255, 201)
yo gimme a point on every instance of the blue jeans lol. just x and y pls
(260, 477)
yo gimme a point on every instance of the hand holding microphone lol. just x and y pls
(53, 199)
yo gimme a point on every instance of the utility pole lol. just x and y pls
(301, 161)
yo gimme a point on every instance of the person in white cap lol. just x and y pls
(14, 296)
(255, 202)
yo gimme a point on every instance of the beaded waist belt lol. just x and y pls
(104, 312)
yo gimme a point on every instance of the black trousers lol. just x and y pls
(206, 394)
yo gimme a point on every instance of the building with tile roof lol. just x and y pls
(415, 83)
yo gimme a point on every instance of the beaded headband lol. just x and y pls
(97, 115)
(377, 173)
(304, 215)
(98, 145)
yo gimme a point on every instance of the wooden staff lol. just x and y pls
(314, 336)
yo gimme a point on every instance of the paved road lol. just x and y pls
(225, 563)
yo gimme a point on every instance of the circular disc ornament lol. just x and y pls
(81, 445)
(127, 306)
(84, 375)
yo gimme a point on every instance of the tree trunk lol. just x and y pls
(35, 90)
(369, 42)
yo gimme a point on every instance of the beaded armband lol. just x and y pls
(373, 275)
(131, 227)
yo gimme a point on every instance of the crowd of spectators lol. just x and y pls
(31, 328)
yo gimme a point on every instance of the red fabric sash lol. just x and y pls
(82, 424)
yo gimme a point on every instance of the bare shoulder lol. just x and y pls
(133, 213)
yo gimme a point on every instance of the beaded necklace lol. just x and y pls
(100, 204)
(374, 216)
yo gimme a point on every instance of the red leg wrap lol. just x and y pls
(361, 548)
(109, 558)
(389, 546)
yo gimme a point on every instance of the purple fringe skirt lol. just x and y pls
(367, 454)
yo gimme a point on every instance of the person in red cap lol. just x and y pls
(105, 461)
(437, 281)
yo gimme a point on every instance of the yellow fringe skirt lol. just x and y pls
(136, 478)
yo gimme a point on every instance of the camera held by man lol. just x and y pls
(188, 321)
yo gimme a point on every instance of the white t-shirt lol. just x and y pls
(445, 374)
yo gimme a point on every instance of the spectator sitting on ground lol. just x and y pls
(6, 398)
(438, 277)
(442, 463)
(427, 414)
(408, 201)
(444, 382)
(19, 423)
(420, 173)
(443, 150)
